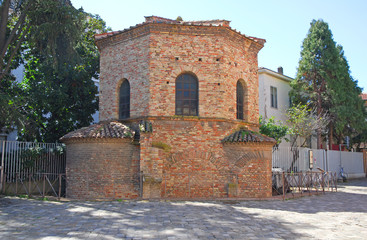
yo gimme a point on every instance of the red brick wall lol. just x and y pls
(195, 164)
(217, 79)
(128, 60)
(183, 157)
(102, 169)
(146, 56)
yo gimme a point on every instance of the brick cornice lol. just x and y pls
(180, 29)
(190, 118)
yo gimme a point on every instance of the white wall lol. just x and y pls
(267, 79)
(330, 161)
(352, 162)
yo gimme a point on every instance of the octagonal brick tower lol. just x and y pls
(190, 92)
(152, 55)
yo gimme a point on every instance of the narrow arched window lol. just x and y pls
(187, 95)
(240, 98)
(124, 102)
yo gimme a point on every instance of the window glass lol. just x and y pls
(124, 102)
(187, 95)
(240, 93)
(273, 97)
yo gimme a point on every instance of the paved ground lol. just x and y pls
(341, 215)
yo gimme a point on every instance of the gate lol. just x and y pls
(32, 168)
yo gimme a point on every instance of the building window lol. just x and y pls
(240, 98)
(187, 95)
(124, 102)
(273, 97)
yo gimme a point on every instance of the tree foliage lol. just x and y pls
(23, 25)
(347, 110)
(303, 122)
(63, 95)
(55, 42)
(273, 129)
(42, 24)
(324, 84)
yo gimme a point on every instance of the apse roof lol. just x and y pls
(247, 136)
(112, 129)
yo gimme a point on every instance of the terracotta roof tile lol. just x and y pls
(244, 135)
(111, 129)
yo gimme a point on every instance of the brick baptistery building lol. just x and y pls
(178, 116)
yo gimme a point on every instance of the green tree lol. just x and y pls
(303, 122)
(316, 70)
(347, 110)
(273, 129)
(324, 84)
(63, 95)
(23, 24)
(44, 24)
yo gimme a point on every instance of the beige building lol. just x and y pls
(274, 90)
(274, 101)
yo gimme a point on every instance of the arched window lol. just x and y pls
(124, 102)
(240, 100)
(187, 95)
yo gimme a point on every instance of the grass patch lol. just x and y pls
(161, 145)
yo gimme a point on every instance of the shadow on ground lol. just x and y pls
(35, 219)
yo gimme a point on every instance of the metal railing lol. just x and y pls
(20, 160)
(291, 185)
(42, 184)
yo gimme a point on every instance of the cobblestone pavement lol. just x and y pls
(341, 215)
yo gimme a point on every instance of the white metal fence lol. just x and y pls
(19, 160)
(298, 160)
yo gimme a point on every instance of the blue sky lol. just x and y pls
(283, 23)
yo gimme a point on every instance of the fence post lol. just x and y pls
(60, 182)
(365, 161)
(16, 183)
(44, 185)
(29, 185)
(283, 180)
(4, 183)
(311, 184)
(2, 179)
(335, 180)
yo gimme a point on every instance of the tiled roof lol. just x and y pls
(111, 129)
(244, 135)
(105, 35)
(363, 96)
(156, 19)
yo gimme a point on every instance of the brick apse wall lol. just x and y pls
(195, 163)
(102, 169)
(185, 156)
